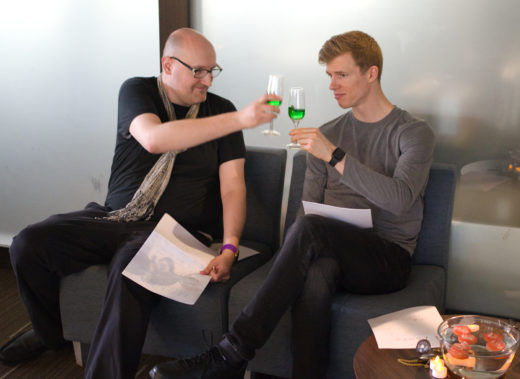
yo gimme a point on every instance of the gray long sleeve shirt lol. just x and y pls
(386, 170)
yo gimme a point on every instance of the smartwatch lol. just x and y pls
(337, 155)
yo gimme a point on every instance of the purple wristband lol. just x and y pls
(233, 248)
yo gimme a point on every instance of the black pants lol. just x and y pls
(319, 256)
(43, 253)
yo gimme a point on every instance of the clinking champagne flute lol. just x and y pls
(296, 110)
(274, 87)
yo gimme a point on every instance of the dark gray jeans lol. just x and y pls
(318, 257)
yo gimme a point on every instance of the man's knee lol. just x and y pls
(304, 241)
(306, 223)
(26, 245)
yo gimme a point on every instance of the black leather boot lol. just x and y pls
(209, 365)
(23, 347)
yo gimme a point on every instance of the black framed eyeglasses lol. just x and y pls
(199, 73)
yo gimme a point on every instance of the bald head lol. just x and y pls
(185, 52)
(183, 39)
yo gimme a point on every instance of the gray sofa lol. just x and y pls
(350, 312)
(177, 329)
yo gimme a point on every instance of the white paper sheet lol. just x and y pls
(170, 260)
(359, 217)
(403, 329)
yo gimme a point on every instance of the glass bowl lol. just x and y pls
(477, 346)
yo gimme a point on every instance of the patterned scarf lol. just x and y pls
(143, 203)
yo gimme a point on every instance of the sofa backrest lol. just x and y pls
(433, 241)
(264, 175)
(434, 237)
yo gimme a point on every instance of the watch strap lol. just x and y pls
(337, 155)
(231, 247)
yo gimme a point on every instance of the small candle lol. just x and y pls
(437, 368)
(440, 371)
(436, 361)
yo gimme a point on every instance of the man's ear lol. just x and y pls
(373, 73)
(166, 63)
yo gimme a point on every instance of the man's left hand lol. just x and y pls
(219, 267)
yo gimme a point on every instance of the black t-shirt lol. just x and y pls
(193, 195)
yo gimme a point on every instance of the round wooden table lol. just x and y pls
(370, 362)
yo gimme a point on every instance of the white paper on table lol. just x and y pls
(404, 328)
(169, 262)
(358, 217)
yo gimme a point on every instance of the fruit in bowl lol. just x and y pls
(478, 347)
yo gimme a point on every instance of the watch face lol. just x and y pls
(338, 154)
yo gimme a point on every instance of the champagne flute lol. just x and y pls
(296, 110)
(274, 87)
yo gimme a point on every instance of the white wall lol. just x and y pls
(61, 66)
(483, 269)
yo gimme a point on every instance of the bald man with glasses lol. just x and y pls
(179, 150)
